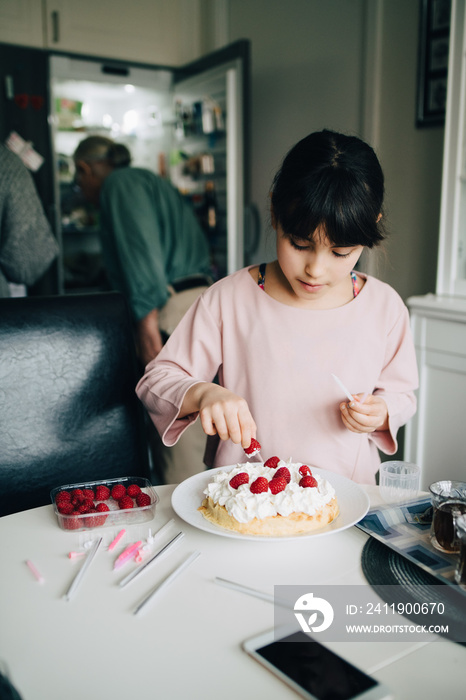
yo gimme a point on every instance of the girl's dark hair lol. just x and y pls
(96, 148)
(333, 182)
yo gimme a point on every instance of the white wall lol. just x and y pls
(309, 71)
(307, 62)
(411, 157)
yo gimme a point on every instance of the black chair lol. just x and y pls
(68, 408)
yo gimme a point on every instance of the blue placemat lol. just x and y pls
(405, 528)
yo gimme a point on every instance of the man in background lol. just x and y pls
(151, 241)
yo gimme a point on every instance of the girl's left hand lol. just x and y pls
(365, 417)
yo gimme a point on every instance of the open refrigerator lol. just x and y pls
(188, 124)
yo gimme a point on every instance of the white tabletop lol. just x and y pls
(188, 643)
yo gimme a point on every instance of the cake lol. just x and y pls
(273, 499)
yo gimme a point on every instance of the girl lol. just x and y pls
(276, 333)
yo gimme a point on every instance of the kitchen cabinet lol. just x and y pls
(436, 436)
(21, 22)
(165, 32)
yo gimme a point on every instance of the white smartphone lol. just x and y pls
(312, 669)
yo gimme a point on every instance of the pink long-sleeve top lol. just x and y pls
(281, 358)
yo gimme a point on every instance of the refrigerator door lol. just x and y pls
(210, 161)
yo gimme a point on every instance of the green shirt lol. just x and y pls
(150, 237)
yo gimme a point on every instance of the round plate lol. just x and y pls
(188, 496)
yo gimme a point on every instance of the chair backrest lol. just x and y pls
(68, 408)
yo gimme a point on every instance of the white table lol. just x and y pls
(188, 644)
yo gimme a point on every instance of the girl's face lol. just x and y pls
(317, 272)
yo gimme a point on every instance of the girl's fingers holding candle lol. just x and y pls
(367, 417)
(362, 398)
(351, 424)
(348, 421)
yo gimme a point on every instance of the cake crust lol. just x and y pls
(272, 526)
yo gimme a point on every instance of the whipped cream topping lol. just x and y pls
(244, 506)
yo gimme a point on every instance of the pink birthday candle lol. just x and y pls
(74, 555)
(37, 575)
(126, 555)
(113, 544)
(140, 554)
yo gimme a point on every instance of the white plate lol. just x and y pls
(188, 496)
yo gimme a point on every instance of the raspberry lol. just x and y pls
(71, 523)
(277, 484)
(304, 470)
(143, 499)
(95, 519)
(102, 493)
(239, 479)
(99, 520)
(126, 502)
(84, 507)
(133, 490)
(88, 493)
(260, 485)
(272, 462)
(77, 496)
(308, 482)
(118, 492)
(63, 496)
(253, 448)
(90, 520)
(65, 507)
(284, 473)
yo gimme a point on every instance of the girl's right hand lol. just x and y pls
(221, 413)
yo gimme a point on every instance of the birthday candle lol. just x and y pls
(113, 544)
(34, 571)
(127, 554)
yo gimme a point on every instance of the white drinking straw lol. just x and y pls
(78, 578)
(253, 592)
(161, 530)
(137, 571)
(166, 582)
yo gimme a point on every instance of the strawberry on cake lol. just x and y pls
(273, 498)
